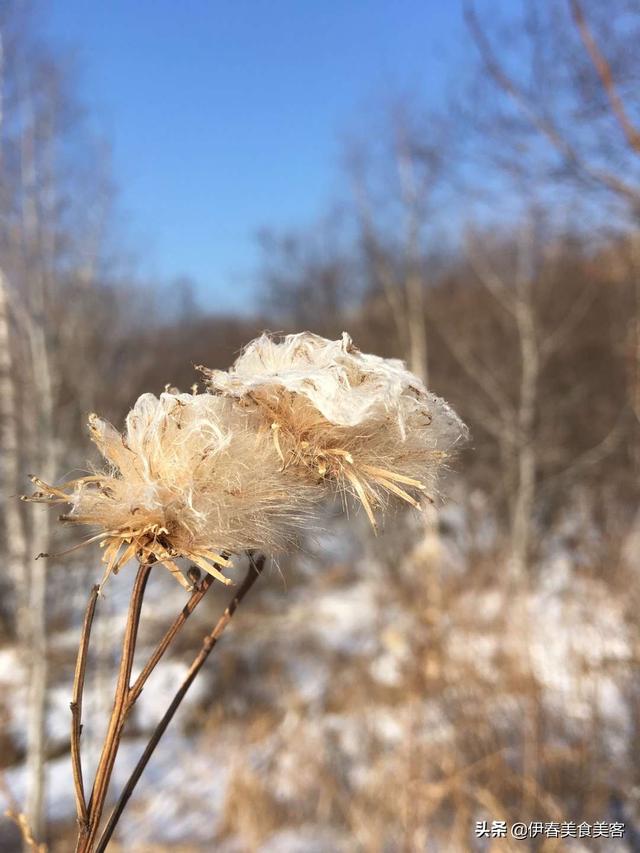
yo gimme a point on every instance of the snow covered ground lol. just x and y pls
(328, 685)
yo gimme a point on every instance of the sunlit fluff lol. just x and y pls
(361, 423)
(189, 477)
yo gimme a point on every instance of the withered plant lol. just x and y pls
(239, 470)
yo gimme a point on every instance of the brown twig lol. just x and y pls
(18, 817)
(605, 74)
(76, 708)
(111, 744)
(165, 642)
(255, 569)
(543, 123)
(126, 694)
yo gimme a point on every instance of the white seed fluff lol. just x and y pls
(362, 422)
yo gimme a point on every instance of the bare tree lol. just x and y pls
(42, 247)
(395, 250)
(307, 277)
(557, 97)
(15, 534)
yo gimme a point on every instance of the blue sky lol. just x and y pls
(228, 116)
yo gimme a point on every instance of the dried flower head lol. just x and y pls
(204, 476)
(190, 477)
(360, 422)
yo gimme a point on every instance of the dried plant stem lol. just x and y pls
(165, 642)
(76, 708)
(255, 568)
(14, 813)
(119, 713)
(89, 815)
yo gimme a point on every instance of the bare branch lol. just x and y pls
(14, 813)
(603, 69)
(168, 638)
(89, 816)
(572, 318)
(540, 122)
(255, 569)
(88, 833)
(487, 276)
(590, 457)
(76, 708)
(485, 382)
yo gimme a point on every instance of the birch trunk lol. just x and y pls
(38, 258)
(525, 492)
(16, 538)
(42, 449)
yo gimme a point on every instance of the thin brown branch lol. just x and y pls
(540, 122)
(165, 642)
(126, 694)
(604, 72)
(577, 311)
(497, 426)
(87, 834)
(489, 278)
(255, 569)
(76, 708)
(14, 813)
(590, 457)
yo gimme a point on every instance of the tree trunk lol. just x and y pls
(16, 540)
(524, 497)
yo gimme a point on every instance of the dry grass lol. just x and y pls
(477, 729)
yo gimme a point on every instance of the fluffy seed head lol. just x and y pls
(360, 422)
(204, 476)
(189, 477)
